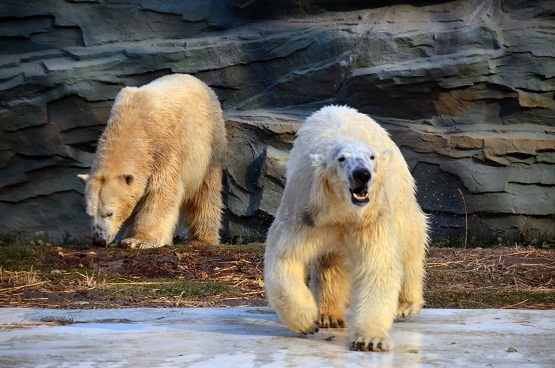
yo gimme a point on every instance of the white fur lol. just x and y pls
(369, 256)
(159, 159)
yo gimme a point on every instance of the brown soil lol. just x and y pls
(232, 275)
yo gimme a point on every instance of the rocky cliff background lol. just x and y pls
(466, 88)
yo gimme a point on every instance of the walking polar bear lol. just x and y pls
(349, 210)
(159, 158)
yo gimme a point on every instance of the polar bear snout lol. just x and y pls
(101, 239)
(359, 181)
(102, 236)
(98, 241)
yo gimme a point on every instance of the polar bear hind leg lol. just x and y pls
(202, 213)
(411, 298)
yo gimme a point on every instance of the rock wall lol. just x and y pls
(466, 88)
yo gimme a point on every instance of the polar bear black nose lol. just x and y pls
(98, 240)
(362, 176)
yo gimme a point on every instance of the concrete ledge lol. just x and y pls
(254, 337)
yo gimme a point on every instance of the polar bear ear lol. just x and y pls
(316, 159)
(84, 178)
(128, 178)
(385, 156)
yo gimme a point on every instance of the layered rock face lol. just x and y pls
(466, 89)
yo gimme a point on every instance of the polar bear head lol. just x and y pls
(349, 170)
(110, 200)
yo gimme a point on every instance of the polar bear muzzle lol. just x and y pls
(102, 236)
(359, 180)
(98, 241)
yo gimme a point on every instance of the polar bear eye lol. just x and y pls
(109, 214)
(341, 159)
(372, 157)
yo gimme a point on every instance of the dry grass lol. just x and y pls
(487, 269)
(92, 281)
(18, 280)
(232, 275)
(486, 278)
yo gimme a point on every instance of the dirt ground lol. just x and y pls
(80, 277)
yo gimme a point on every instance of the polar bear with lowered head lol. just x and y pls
(159, 159)
(349, 211)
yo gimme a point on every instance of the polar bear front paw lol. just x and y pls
(372, 343)
(305, 321)
(409, 309)
(303, 325)
(138, 243)
(309, 328)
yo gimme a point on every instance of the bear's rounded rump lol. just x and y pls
(159, 159)
(349, 212)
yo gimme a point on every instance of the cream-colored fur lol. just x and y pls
(159, 157)
(368, 256)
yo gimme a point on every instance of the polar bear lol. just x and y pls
(159, 158)
(349, 211)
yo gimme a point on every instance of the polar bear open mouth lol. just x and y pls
(359, 196)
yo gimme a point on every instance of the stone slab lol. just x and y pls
(254, 337)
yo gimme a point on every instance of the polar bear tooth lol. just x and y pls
(357, 196)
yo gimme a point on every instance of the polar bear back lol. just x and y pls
(165, 120)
